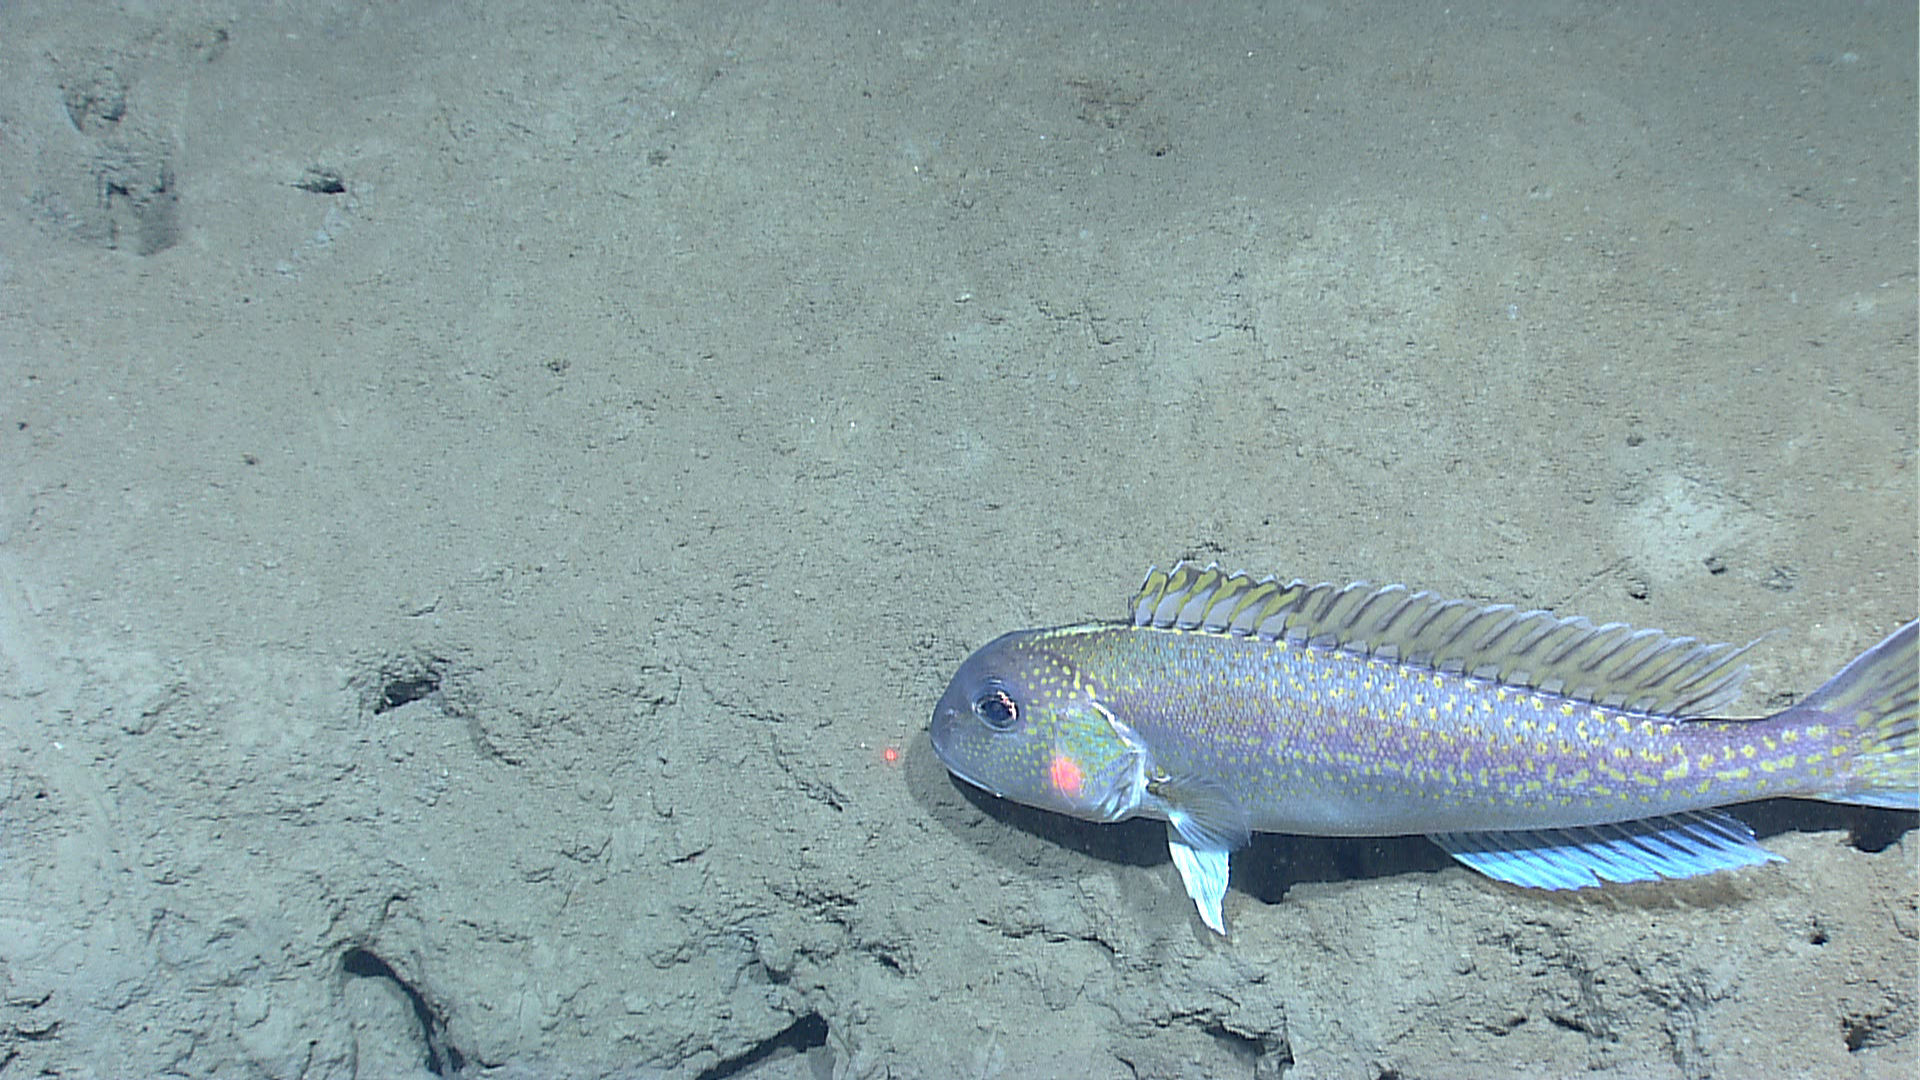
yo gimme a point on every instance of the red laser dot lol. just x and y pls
(891, 755)
(1065, 774)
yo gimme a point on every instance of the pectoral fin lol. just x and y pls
(1203, 812)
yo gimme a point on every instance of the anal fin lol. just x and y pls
(1674, 846)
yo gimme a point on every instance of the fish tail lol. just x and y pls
(1878, 697)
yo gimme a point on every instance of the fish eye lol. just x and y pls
(996, 708)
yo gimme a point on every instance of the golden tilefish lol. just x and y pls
(1539, 750)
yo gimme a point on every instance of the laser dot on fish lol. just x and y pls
(1065, 774)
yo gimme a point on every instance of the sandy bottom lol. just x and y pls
(493, 491)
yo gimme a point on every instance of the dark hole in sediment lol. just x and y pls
(400, 691)
(443, 1058)
(804, 1034)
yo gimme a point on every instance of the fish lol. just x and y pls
(1538, 749)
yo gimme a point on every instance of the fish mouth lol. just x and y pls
(960, 775)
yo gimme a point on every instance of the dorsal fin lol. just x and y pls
(1614, 664)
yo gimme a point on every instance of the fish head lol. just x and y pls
(1020, 720)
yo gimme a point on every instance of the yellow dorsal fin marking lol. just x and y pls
(1613, 664)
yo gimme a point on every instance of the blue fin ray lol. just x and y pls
(1674, 846)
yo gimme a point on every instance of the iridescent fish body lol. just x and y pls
(1539, 750)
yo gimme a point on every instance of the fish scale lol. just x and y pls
(1541, 750)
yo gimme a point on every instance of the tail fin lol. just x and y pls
(1879, 696)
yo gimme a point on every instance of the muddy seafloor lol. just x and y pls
(492, 494)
